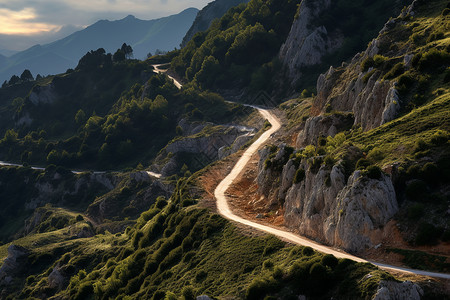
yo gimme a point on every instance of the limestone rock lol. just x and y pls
(56, 279)
(324, 125)
(43, 94)
(305, 44)
(364, 205)
(324, 205)
(390, 290)
(13, 264)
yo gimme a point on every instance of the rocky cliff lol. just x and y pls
(209, 13)
(306, 43)
(321, 203)
(364, 86)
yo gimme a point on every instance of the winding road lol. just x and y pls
(225, 211)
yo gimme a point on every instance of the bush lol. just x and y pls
(428, 234)
(362, 164)
(433, 60)
(307, 251)
(416, 190)
(188, 293)
(396, 71)
(374, 172)
(84, 291)
(299, 175)
(416, 211)
(267, 264)
(430, 173)
(329, 260)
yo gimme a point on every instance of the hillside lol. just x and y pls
(214, 10)
(144, 36)
(358, 164)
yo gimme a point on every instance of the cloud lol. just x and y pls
(49, 14)
(44, 17)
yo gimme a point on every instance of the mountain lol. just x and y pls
(214, 10)
(144, 37)
(359, 160)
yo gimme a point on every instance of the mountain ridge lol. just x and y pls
(143, 35)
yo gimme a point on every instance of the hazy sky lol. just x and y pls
(41, 19)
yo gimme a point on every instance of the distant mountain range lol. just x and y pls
(144, 36)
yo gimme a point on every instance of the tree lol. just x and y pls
(119, 56)
(14, 79)
(38, 77)
(26, 75)
(127, 50)
(5, 84)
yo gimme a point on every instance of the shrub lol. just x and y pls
(161, 202)
(416, 211)
(396, 71)
(433, 60)
(299, 175)
(375, 155)
(84, 291)
(428, 234)
(374, 172)
(329, 260)
(430, 173)
(416, 190)
(277, 273)
(267, 264)
(307, 251)
(362, 163)
(188, 293)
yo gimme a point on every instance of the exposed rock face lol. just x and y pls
(57, 278)
(390, 290)
(373, 102)
(306, 44)
(208, 145)
(324, 205)
(372, 99)
(13, 264)
(209, 13)
(43, 94)
(324, 125)
(55, 188)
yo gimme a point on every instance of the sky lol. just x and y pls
(24, 23)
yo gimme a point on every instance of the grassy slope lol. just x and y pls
(176, 247)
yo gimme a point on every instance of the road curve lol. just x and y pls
(224, 209)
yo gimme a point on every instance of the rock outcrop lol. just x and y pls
(208, 145)
(207, 15)
(323, 125)
(323, 204)
(307, 44)
(43, 94)
(55, 186)
(14, 264)
(372, 101)
(390, 290)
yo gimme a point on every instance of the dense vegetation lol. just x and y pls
(239, 49)
(99, 114)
